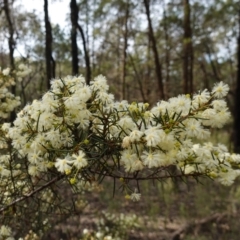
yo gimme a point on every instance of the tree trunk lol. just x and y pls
(50, 63)
(236, 131)
(74, 21)
(11, 47)
(205, 78)
(138, 78)
(213, 66)
(187, 50)
(125, 45)
(148, 77)
(11, 42)
(158, 66)
(87, 59)
(167, 56)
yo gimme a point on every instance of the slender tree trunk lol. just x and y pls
(86, 54)
(213, 66)
(74, 21)
(50, 63)
(187, 50)
(11, 47)
(138, 78)
(158, 66)
(118, 52)
(11, 42)
(92, 54)
(148, 71)
(205, 79)
(167, 52)
(76, 26)
(125, 45)
(237, 95)
(231, 61)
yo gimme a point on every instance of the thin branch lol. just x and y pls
(149, 177)
(26, 196)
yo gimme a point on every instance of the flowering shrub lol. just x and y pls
(5, 233)
(111, 226)
(8, 101)
(78, 133)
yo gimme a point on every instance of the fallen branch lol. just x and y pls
(197, 224)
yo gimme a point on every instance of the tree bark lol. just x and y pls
(125, 45)
(87, 59)
(203, 68)
(187, 50)
(167, 52)
(213, 66)
(138, 78)
(11, 42)
(148, 78)
(50, 63)
(158, 66)
(236, 131)
(74, 21)
(11, 47)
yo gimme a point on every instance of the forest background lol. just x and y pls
(148, 50)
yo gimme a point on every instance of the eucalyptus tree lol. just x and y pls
(50, 62)
(187, 49)
(11, 42)
(77, 27)
(237, 94)
(158, 65)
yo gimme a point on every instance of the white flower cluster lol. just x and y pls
(50, 124)
(8, 101)
(6, 233)
(111, 226)
(76, 127)
(22, 71)
(81, 133)
(167, 135)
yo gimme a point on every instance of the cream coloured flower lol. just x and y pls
(62, 165)
(200, 98)
(151, 159)
(135, 196)
(153, 136)
(84, 93)
(161, 108)
(33, 170)
(5, 231)
(219, 104)
(126, 142)
(79, 160)
(192, 127)
(135, 135)
(227, 177)
(181, 104)
(100, 83)
(6, 71)
(129, 160)
(220, 90)
(126, 124)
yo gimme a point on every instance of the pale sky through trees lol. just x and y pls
(58, 13)
(57, 9)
